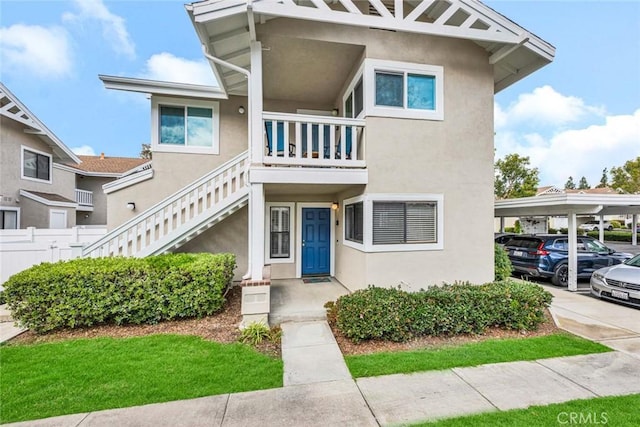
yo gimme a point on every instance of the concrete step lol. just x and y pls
(277, 318)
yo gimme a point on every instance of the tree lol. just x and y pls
(514, 178)
(604, 181)
(570, 185)
(583, 185)
(627, 178)
(145, 153)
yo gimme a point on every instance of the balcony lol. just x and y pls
(84, 199)
(313, 141)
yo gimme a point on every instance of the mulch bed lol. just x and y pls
(223, 328)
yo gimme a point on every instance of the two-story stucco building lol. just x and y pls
(347, 138)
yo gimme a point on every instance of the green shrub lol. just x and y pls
(396, 315)
(3, 299)
(509, 229)
(612, 236)
(92, 291)
(616, 224)
(502, 263)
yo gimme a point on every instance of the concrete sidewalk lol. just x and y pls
(319, 391)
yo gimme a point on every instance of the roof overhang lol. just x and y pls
(563, 204)
(12, 108)
(226, 28)
(154, 87)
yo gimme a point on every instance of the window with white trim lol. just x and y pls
(394, 222)
(404, 223)
(396, 89)
(280, 232)
(8, 219)
(36, 165)
(354, 222)
(185, 126)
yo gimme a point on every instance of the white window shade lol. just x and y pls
(404, 222)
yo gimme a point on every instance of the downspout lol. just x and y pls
(247, 73)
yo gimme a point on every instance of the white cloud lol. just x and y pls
(544, 107)
(577, 152)
(114, 29)
(85, 150)
(167, 67)
(42, 51)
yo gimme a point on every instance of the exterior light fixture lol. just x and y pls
(335, 206)
(241, 109)
(131, 206)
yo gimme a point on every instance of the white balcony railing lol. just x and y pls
(84, 197)
(315, 141)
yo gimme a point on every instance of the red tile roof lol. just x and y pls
(104, 164)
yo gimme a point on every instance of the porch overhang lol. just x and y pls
(288, 175)
(226, 29)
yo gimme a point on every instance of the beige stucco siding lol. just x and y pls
(173, 171)
(32, 214)
(99, 214)
(230, 235)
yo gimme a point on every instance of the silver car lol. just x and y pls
(620, 282)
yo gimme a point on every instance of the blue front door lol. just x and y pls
(316, 241)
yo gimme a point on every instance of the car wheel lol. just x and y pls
(595, 229)
(610, 228)
(561, 275)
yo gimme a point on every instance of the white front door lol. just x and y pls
(57, 218)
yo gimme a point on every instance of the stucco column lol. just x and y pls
(573, 252)
(256, 221)
(634, 229)
(256, 139)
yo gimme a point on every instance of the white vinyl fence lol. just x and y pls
(21, 249)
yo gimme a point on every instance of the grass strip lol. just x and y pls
(619, 411)
(45, 380)
(472, 354)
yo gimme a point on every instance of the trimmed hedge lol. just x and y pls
(396, 315)
(92, 291)
(612, 236)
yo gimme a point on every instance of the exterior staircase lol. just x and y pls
(180, 217)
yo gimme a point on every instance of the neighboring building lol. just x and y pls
(351, 139)
(35, 191)
(43, 184)
(92, 175)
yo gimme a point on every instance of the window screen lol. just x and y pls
(354, 222)
(280, 234)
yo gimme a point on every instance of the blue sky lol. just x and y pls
(574, 117)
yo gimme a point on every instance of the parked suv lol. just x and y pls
(595, 226)
(548, 256)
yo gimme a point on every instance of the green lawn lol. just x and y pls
(473, 354)
(619, 411)
(45, 380)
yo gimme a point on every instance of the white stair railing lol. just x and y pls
(176, 216)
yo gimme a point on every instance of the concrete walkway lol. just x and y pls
(319, 393)
(8, 329)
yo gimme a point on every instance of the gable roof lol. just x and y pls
(226, 28)
(109, 166)
(12, 108)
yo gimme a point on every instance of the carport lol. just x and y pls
(572, 205)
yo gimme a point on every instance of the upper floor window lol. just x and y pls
(36, 165)
(396, 89)
(185, 126)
